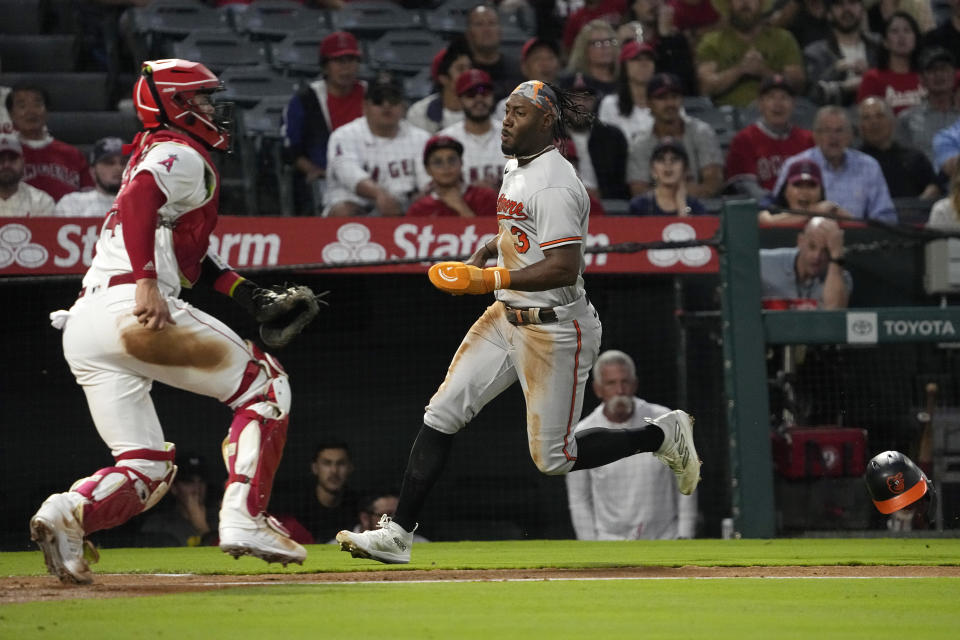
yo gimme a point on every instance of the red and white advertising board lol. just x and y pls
(58, 246)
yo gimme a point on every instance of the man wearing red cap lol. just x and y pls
(758, 151)
(539, 60)
(319, 108)
(483, 158)
(442, 108)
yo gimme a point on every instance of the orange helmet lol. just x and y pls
(164, 95)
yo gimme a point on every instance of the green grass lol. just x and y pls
(533, 554)
(738, 609)
(705, 609)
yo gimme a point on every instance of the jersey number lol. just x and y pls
(523, 242)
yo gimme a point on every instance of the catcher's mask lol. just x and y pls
(164, 95)
(895, 482)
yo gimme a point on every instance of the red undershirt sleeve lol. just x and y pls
(138, 208)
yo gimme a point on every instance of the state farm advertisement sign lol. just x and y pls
(42, 246)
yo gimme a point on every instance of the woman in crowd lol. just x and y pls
(802, 191)
(593, 59)
(668, 168)
(627, 108)
(895, 78)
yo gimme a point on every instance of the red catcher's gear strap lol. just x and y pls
(147, 454)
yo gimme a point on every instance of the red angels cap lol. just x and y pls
(804, 171)
(472, 78)
(435, 65)
(776, 81)
(533, 43)
(441, 142)
(662, 84)
(339, 43)
(10, 142)
(633, 49)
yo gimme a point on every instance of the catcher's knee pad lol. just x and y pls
(113, 495)
(264, 378)
(254, 445)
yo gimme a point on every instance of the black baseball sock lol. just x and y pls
(597, 447)
(428, 456)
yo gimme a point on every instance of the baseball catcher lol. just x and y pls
(129, 328)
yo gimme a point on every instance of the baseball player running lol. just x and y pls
(129, 328)
(541, 330)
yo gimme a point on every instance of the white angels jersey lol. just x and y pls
(542, 205)
(483, 157)
(354, 153)
(188, 183)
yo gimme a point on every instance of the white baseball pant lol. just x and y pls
(552, 363)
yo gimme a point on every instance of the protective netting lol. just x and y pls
(364, 371)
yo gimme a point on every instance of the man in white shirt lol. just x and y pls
(17, 198)
(631, 498)
(375, 163)
(483, 159)
(106, 166)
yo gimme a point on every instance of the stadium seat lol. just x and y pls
(372, 19)
(59, 17)
(176, 18)
(249, 85)
(68, 91)
(219, 49)
(263, 142)
(275, 19)
(723, 119)
(21, 17)
(37, 52)
(406, 51)
(164, 21)
(450, 18)
(299, 53)
(86, 127)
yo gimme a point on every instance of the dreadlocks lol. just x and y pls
(570, 110)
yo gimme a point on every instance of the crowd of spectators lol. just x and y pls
(881, 78)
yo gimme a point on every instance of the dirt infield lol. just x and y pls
(33, 589)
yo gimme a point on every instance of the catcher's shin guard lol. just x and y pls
(254, 445)
(113, 495)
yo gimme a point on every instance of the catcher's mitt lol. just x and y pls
(283, 312)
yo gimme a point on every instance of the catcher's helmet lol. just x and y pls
(894, 481)
(164, 95)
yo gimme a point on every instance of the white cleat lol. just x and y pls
(388, 543)
(58, 533)
(261, 537)
(678, 451)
